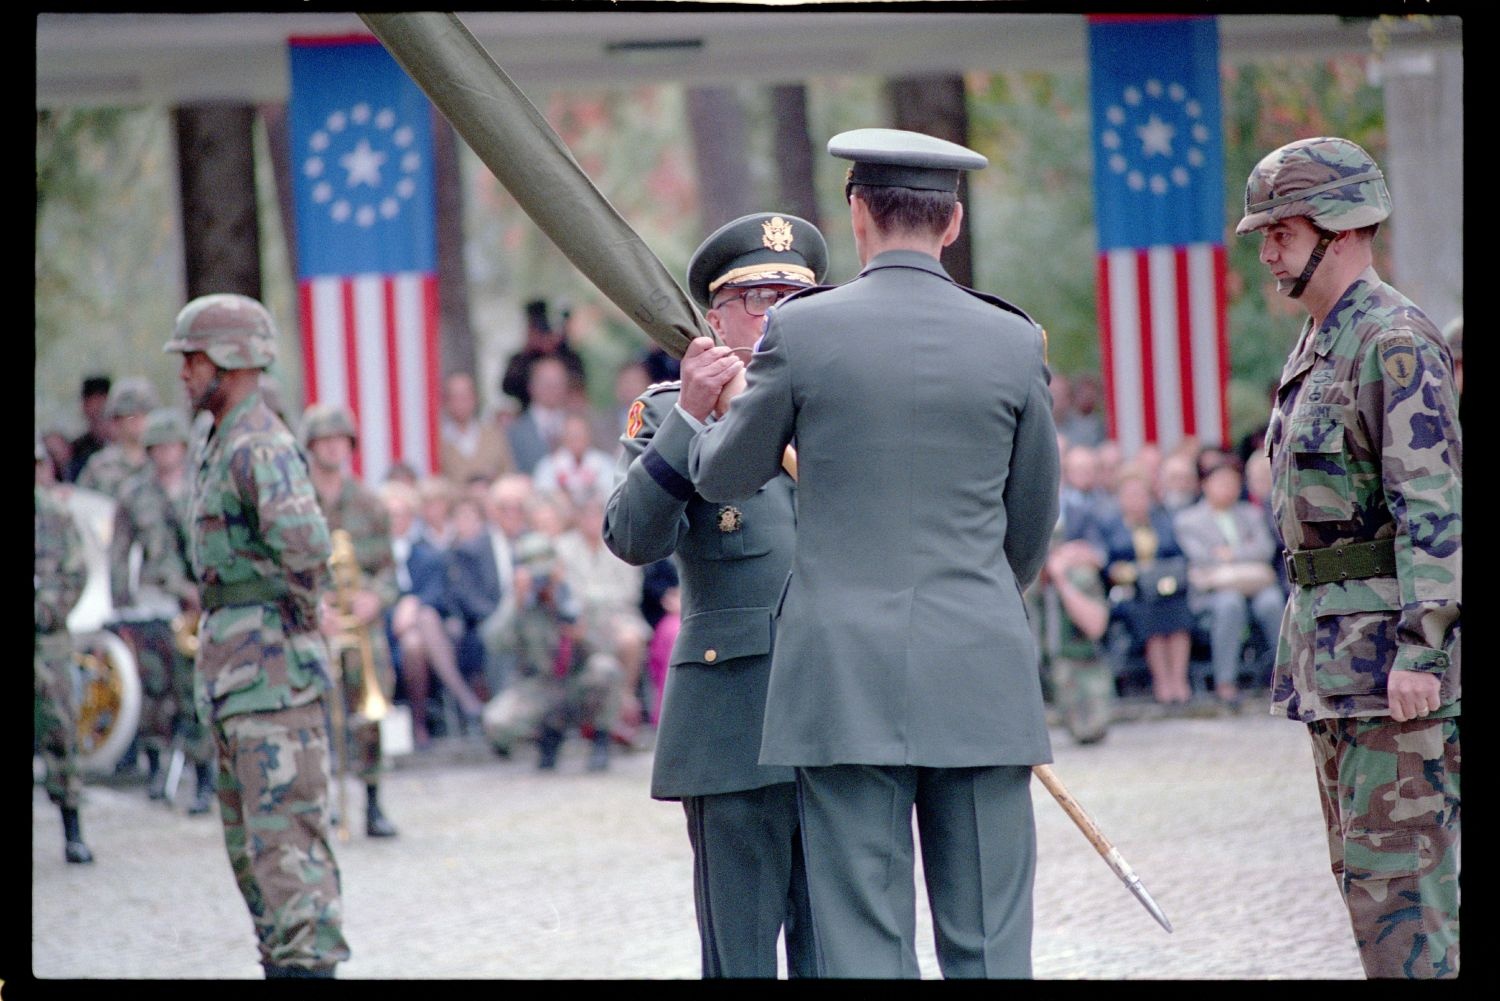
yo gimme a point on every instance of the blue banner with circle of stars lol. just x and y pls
(361, 153)
(1158, 149)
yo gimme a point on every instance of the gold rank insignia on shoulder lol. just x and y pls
(1399, 357)
(777, 234)
(1044, 343)
(635, 420)
(730, 519)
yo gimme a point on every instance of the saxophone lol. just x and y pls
(348, 579)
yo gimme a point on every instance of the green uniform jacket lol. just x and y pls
(1364, 444)
(254, 523)
(926, 497)
(59, 575)
(146, 513)
(359, 511)
(732, 560)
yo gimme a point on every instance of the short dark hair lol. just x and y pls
(95, 385)
(907, 209)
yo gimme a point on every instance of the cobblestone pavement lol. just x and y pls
(502, 872)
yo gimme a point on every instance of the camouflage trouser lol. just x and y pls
(1084, 692)
(590, 696)
(273, 800)
(1390, 797)
(55, 723)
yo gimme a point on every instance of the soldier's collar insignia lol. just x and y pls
(1398, 355)
(635, 420)
(730, 519)
(776, 234)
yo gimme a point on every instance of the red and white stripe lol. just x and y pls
(370, 343)
(1164, 344)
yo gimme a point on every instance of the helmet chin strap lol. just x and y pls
(1313, 260)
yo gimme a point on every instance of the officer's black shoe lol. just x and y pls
(599, 754)
(376, 824)
(156, 786)
(274, 972)
(548, 743)
(74, 850)
(203, 797)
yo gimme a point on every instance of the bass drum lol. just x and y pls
(107, 683)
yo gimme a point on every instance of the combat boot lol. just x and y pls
(203, 796)
(599, 753)
(376, 824)
(156, 776)
(74, 850)
(548, 742)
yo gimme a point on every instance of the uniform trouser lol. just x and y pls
(273, 800)
(749, 881)
(978, 854)
(1229, 614)
(55, 723)
(1390, 798)
(167, 709)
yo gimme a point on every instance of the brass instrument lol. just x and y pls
(352, 635)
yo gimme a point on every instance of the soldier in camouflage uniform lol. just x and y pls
(1365, 453)
(259, 547)
(57, 584)
(130, 400)
(151, 514)
(557, 682)
(329, 436)
(1070, 613)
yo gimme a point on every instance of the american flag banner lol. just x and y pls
(363, 184)
(1159, 208)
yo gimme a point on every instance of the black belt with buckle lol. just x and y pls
(1354, 561)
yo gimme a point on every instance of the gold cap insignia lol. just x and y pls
(730, 519)
(635, 420)
(777, 234)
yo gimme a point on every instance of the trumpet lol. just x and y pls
(352, 635)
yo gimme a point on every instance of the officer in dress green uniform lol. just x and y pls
(732, 560)
(904, 676)
(329, 436)
(260, 548)
(1367, 492)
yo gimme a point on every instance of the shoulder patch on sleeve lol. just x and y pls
(1398, 356)
(634, 420)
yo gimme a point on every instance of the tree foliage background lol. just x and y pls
(109, 260)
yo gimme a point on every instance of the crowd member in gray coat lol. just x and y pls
(732, 561)
(904, 676)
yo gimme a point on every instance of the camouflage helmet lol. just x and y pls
(327, 420)
(1334, 183)
(163, 426)
(130, 396)
(234, 331)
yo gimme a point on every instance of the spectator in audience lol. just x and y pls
(1147, 574)
(659, 655)
(1258, 492)
(1084, 424)
(542, 341)
(608, 592)
(1070, 614)
(536, 431)
(1230, 555)
(575, 467)
(507, 513)
(1177, 481)
(422, 645)
(1061, 388)
(469, 446)
(1084, 505)
(474, 589)
(631, 381)
(1110, 458)
(403, 472)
